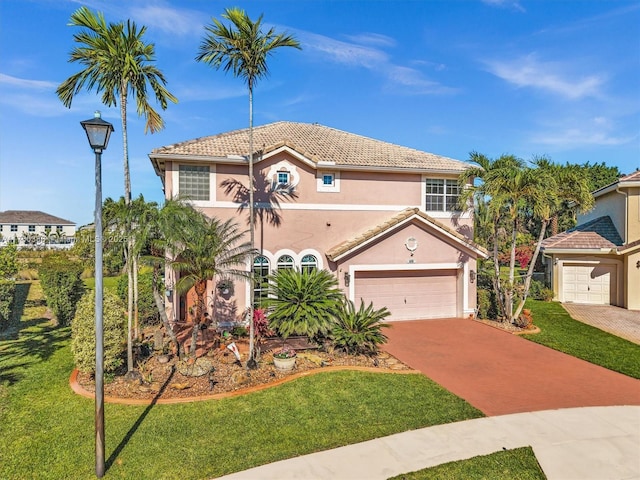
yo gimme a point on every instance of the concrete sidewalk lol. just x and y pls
(576, 443)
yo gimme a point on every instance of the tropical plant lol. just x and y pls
(243, 48)
(359, 331)
(302, 303)
(117, 62)
(83, 333)
(207, 249)
(8, 262)
(512, 191)
(61, 280)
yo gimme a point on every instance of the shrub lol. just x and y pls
(83, 333)
(484, 303)
(147, 311)
(7, 294)
(62, 284)
(538, 291)
(546, 294)
(302, 303)
(8, 262)
(359, 332)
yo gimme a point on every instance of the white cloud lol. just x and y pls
(512, 4)
(530, 72)
(597, 131)
(179, 22)
(372, 39)
(26, 84)
(374, 59)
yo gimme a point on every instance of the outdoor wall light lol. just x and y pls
(347, 279)
(472, 276)
(638, 264)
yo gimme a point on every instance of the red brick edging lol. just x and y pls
(78, 389)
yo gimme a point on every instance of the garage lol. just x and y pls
(592, 284)
(410, 295)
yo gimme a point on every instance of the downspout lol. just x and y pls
(626, 214)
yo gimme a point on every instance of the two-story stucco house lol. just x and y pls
(35, 228)
(598, 261)
(381, 217)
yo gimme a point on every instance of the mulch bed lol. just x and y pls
(222, 373)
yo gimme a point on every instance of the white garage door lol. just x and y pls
(409, 295)
(588, 283)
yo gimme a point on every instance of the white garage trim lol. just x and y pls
(464, 267)
(593, 262)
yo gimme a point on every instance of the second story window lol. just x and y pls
(283, 178)
(32, 228)
(59, 229)
(441, 195)
(14, 228)
(285, 262)
(193, 183)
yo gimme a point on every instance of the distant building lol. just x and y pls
(32, 228)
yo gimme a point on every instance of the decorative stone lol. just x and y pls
(315, 359)
(197, 368)
(240, 377)
(163, 358)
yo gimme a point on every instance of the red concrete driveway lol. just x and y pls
(500, 373)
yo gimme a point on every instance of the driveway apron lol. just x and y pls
(500, 373)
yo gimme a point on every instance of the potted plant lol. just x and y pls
(284, 359)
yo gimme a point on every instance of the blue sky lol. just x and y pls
(530, 78)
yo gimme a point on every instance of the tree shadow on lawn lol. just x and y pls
(129, 435)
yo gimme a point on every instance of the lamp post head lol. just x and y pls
(98, 132)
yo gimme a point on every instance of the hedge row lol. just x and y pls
(7, 294)
(61, 281)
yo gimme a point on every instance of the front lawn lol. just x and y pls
(46, 431)
(519, 463)
(561, 332)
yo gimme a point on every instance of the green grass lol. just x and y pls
(109, 283)
(46, 431)
(561, 332)
(519, 463)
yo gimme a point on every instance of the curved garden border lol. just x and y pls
(78, 389)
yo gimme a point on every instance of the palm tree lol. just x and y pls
(243, 48)
(207, 249)
(117, 62)
(557, 186)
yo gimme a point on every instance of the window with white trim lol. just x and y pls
(193, 182)
(14, 228)
(32, 228)
(283, 178)
(441, 195)
(309, 263)
(260, 280)
(285, 262)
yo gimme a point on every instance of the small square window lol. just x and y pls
(283, 178)
(328, 180)
(14, 228)
(59, 228)
(32, 228)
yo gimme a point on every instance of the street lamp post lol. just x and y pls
(98, 132)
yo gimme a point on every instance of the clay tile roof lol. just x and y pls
(373, 232)
(316, 142)
(598, 233)
(635, 176)
(31, 217)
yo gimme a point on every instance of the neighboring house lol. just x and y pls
(30, 228)
(383, 218)
(598, 261)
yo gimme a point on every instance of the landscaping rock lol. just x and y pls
(197, 368)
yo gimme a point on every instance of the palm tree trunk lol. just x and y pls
(512, 271)
(136, 318)
(129, 314)
(159, 301)
(534, 259)
(497, 284)
(251, 228)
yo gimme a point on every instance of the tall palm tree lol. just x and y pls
(116, 62)
(243, 48)
(556, 187)
(208, 249)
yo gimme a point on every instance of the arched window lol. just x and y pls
(285, 261)
(260, 281)
(309, 263)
